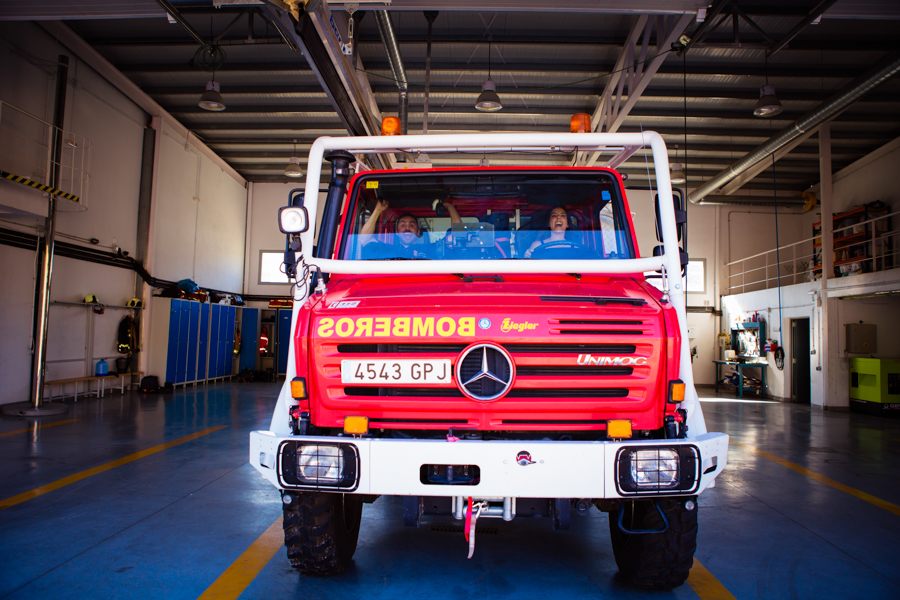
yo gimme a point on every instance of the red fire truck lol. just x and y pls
(488, 343)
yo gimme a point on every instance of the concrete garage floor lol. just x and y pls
(94, 506)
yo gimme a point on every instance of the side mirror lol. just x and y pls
(293, 219)
(658, 251)
(680, 216)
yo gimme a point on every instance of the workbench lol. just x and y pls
(739, 368)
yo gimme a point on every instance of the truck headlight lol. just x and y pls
(320, 464)
(657, 469)
(314, 465)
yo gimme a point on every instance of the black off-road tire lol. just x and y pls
(321, 531)
(659, 561)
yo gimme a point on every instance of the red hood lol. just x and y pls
(514, 291)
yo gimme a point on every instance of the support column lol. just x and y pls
(35, 407)
(832, 397)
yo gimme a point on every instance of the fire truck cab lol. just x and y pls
(486, 338)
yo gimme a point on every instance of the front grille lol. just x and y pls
(553, 422)
(597, 322)
(571, 348)
(542, 371)
(601, 332)
(421, 421)
(409, 392)
(598, 300)
(569, 393)
(400, 348)
(511, 348)
(413, 392)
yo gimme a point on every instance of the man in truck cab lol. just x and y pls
(408, 238)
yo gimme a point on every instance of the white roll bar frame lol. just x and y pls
(621, 142)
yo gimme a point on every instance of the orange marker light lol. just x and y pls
(676, 391)
(618, 429)
(298, 388)
(390, 126)
(580, 123)
(356, 425)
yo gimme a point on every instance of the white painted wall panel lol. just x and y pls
(222, 216)
(16, 274)
(199, 239)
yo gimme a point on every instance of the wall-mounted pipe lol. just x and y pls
(828, 109)
(389, 39)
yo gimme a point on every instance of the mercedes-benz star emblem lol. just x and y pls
(484, 372)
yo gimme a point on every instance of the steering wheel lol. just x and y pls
(573, 247)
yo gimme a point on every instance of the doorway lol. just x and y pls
(800, 377)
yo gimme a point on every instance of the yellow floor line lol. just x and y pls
(12, 501)
(706, 585)
(44, 426)
(822, 479)
(242, 571)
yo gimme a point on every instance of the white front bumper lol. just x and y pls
(561, 469)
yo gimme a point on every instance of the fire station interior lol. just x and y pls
(146, 148)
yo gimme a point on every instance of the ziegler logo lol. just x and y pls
(510, 325)
(624, 361)
(344, 304)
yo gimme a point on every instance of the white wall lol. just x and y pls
(871, 178)
(114, 125)
(200, 218)
(266, 199)
(201, 240)
(796, 303)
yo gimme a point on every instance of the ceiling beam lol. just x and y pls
(635, 68)
(361, 40)
(294, 111)
(814, 14)
(749, 94)
(285, 68)
(322, 53)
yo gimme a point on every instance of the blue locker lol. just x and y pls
(214, 341)
(229, 341)
(221, 358)
(283, 339)
(203, 343)
(184, 315)
(193, 330)
(172, 354)
(249, 339)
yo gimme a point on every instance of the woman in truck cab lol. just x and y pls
(558, 224)
(408, 233)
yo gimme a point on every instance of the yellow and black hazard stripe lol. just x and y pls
(40, 186)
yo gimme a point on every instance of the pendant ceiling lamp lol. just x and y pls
(293, 169)
(768, 104)
(211, 99)
(488, 100)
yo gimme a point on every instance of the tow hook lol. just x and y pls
(472, 514)
(624, 529)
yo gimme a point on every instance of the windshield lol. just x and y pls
(515, 215)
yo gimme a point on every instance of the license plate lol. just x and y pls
(396, 371)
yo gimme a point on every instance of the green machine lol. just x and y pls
(875, 386)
